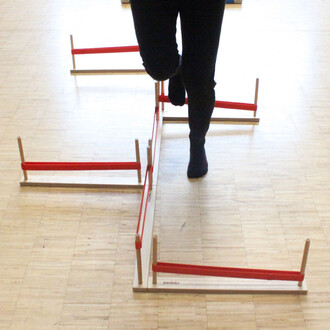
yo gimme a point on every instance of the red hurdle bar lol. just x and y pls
(261, 274)
(105, 50)
(79, 166)
(220, 104)
(248, 273)
(147, 187)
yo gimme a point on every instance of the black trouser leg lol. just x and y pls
(155, 27)
(201, 22)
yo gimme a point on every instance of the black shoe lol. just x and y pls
(176, 90)
(198, 165)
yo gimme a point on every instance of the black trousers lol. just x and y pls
(201, 20)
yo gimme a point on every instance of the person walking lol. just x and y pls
(193, 71)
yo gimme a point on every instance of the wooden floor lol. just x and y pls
(67, 256)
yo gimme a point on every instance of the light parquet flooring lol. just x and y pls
(67, 256)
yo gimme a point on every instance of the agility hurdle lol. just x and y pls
(80, 182)
(202, 279)
(104, 50)
(144, 228)
(254, 280)
(252, 107)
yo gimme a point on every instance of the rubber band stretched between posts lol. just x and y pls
(105, 50)
(220, 104)
(79, 166)
(155, 135)
(138, 245)
(153, 128)
(142, 200)
(262, 274)
(145, 210)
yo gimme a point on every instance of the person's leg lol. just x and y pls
(155, 27)
(201, 22)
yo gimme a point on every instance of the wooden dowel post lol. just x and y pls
(149, 155)
(21, 152)
(163, 93)
(256, 95)
(73, 58)
(304, 259)
(150, 144)
(154, 258)
(157, 94)
(137, 153)
(138, 258)
(157, 90)
(157, 99)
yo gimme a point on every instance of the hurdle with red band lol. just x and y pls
(103, 50)
(218, 104)
(147, 205)
(238, 273)
(258, 274)
(147, 187)
(78, 166)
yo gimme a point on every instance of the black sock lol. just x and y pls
(176, 90)
(198, 165)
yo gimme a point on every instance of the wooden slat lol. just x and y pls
(81, 182)
(180, 120)
(108, 72)
(225, 286)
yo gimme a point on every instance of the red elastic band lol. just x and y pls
(146, 208)
(103, 50)
(138, 245)
(221, 104)
(142, 200)
(80, 166)
(261, 274)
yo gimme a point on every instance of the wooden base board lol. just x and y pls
(81, 182)
(223, 285)
(180, 120)
(108, 72)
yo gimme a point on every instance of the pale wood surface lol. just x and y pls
(67, 256)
